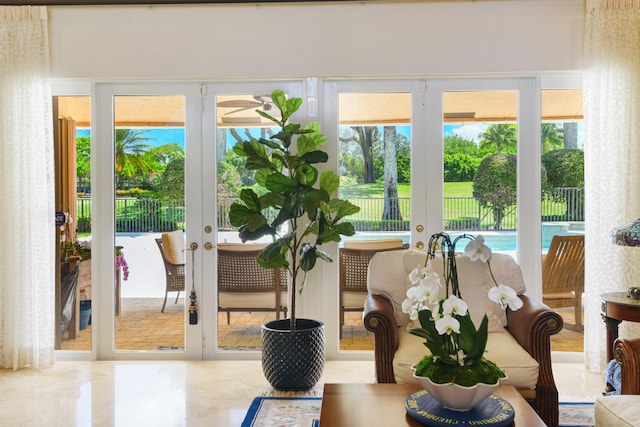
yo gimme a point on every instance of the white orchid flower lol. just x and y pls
(420, 274)
(461, 357)
(415, 276)
(453, 306)
(435, 312)
(411, 308)
(476, 249)
(505, 296)
(417, 293)
(447, 325)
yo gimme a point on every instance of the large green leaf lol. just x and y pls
(250, 199)
(329, 181)
(306, 174)
(256, 221)
(280, 183)
(239, 214)
(342, 208)
(480, 342)
(268, 117)
(307, 257)
(274, 254)
(270, 199)
(247, 234)
(467, 333)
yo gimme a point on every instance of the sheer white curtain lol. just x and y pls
(612, 159)
(27, 274)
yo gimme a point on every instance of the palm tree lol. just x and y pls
(130, 153)
(503, 136)
(552, 137)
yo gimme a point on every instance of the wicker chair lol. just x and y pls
(174, 274)
(354, 262)
(563, 276)
(243, 285)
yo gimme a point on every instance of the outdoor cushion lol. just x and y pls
(173, 244)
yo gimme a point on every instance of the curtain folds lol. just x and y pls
(27, 274)
(612, 156)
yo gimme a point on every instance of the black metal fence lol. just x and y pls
(460, 213)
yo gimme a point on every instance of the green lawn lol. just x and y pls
(363, 191)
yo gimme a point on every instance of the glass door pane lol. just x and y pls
(149, 176)
(73, 203)
(562, 159)
(480, 146)
(248, 295)
(374, 163)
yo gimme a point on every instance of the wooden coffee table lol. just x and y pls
(367, 405)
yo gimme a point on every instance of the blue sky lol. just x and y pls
(471, 131)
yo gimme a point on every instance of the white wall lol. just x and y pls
(203, 42)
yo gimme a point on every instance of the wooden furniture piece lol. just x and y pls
(563, 276)
(522, 347)
(366, 405)
(174, 271)
(622, 410)
(243, 285)
(354, 262)
(616, 307)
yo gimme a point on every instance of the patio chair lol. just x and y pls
(354, 262)
(563, 276)
(172, 249)
(244, 285)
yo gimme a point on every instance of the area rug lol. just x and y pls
(576, 414)
(271, 411)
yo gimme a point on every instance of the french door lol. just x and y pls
(415, 116)
(146, 182)
(413, 113)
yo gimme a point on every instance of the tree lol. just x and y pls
(494, 185)
(365, 137)
(130, 154)
(391, 209)
(551, 136)
(170, 184)
(454, 144)
(502, 137)
(83, 163)
(565, 169)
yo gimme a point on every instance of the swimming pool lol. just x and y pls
(496, 240)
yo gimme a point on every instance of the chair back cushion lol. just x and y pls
(395, 243)
(388, 275)
(173, 244)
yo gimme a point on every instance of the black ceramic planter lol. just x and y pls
(293, 360)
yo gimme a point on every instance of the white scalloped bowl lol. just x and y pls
(454, 396)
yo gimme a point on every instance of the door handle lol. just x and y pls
(193, 246)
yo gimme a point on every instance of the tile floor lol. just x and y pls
(141, 326)
(205, 393)
(193, 393)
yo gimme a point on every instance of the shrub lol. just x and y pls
(495, 184)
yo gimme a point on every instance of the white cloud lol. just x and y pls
(471, 131)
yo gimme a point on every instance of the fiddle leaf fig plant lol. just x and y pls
(292, 202)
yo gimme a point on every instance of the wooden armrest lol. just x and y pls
(532, 326)
(379, 318)
(627, 354)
